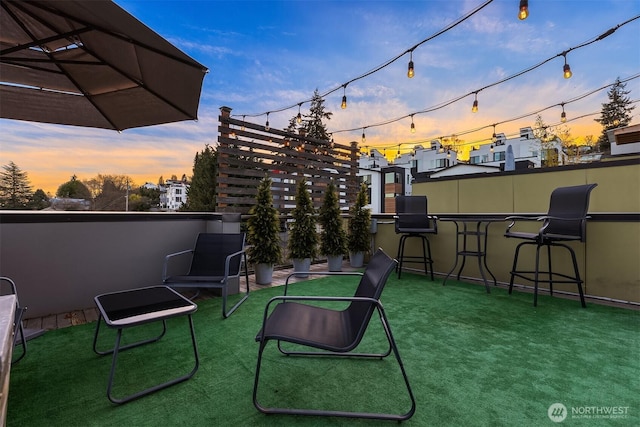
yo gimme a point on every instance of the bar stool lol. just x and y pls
(412, 220)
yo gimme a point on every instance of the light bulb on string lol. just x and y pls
(364, 138)
(410, 70)
(299, 116)
(566, 70)
(474, 108)
(413, 126)
(344, 97)
(563, 115)
(494, 137)
(266, 125)
(523, 12)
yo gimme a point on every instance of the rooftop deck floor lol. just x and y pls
(90, 314)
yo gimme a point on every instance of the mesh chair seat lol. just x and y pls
(413, 221)
(216, 259)
(330, 332)
(565, 222)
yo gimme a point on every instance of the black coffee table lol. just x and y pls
(125, 309)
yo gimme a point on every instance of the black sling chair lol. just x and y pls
(566, 221)
(216, 259)
(333, 332)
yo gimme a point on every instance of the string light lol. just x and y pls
(474, 108)
(299, 117)
(344, 97)
(523, 13)
(364, 138)
(413, 126)
(266, 125)
(410, 71)
(447, 103)
(391, 61)
(494, 137)
(566, 69)
(563, 116)
(491, 148)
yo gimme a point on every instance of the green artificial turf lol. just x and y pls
(473, 359)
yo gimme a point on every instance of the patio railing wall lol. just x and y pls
(61, 260)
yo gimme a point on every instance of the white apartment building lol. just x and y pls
(173, 195)
(527, 150)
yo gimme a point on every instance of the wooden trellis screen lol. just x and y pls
(247, 152)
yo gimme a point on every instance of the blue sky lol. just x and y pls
(265, 55)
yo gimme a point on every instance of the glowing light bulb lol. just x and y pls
(410, 71)
(474, 109)
(344, 102)
(413, 128)
(563, 117)
(523, 13)
(567, 71)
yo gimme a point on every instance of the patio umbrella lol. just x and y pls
(91, 63)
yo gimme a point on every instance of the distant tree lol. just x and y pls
(74, 189)
(313, 123)
(542, 131)
(201, 195)
(40, 200)
(589, 140)
(111, 198)
(15, 189)
(152, 195)
(161, 180)
(547, 136)
(174, 177)
(615, 113)
(452, 142)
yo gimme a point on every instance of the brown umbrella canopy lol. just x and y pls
(90, 63)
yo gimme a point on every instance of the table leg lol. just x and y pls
(155, 388)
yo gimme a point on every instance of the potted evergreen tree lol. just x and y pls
(263, 234)
(333, 238)
(303, 239)
(358, 235)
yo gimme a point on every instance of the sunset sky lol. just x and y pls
(266, 55)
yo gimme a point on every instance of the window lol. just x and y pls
(178, 190)
(498, 156)
(441, 163)
(474, 160)
(391, 178)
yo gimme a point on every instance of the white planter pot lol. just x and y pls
(264, 274)
(356, 259)
(301, 265)
(335, 262)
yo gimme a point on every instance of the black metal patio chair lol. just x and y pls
(412, 220)
(565, 221)
(294, 319)
(19, 337)
(216, 260)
